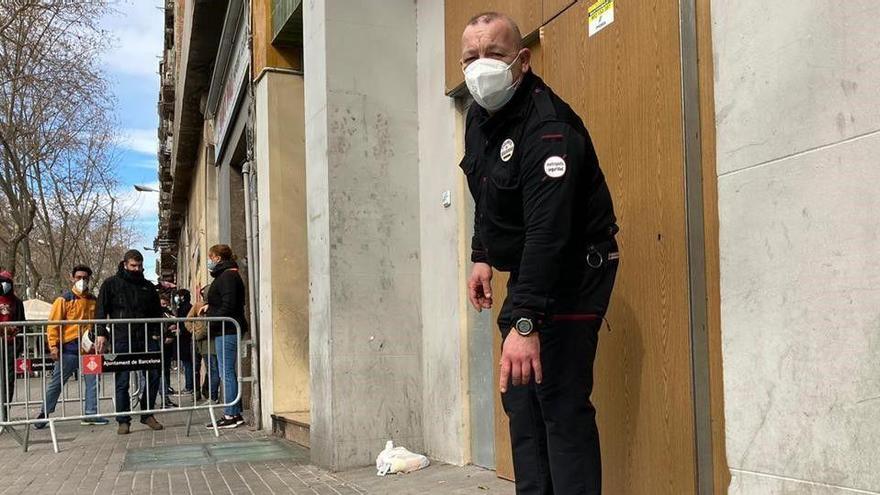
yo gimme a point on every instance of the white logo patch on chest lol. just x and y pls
(506, 150)
(554, 167)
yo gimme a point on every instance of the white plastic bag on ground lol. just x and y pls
(395, 460)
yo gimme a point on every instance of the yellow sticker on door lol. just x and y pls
(601, 15)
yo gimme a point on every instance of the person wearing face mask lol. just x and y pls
(226, 297)
(128, 295)
(11, 309)
(544, 214)
(65, 342)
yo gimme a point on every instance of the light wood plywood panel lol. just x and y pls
(625, 83)
(503, 452)
(526, 13)
(552, 8)
(265, 54)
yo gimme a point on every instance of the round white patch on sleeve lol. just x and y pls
(554, 167)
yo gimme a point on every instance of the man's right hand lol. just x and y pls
(53, 353)
(480, 286)
(100, 342)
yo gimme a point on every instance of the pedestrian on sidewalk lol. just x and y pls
(11, 309)
(188, 355)
(209, 389)
(544, 214)
(226, 297)
(65, 342)
(169, 353)
(129, 295)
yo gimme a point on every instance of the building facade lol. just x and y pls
(321, 140)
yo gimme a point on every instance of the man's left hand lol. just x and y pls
(100, 342)
(520, 359)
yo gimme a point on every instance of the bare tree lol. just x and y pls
(56, 140)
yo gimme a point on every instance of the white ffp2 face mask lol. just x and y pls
(81, 286)
(490, 82)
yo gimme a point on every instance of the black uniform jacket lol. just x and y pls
(541, 198)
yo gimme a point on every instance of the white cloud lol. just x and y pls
(136, 29)
(141, 140)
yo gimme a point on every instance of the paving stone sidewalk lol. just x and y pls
(95, 460)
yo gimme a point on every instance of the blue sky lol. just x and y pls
(132, 67)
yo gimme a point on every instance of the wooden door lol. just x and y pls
(625, 82)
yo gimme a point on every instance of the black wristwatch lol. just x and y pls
(524, 327)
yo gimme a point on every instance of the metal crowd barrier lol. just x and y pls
(136, 347)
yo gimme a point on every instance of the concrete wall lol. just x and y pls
(363, 210)
(284, 266)
(444, 323)
(797, 96)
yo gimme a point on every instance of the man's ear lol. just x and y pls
(526, 60)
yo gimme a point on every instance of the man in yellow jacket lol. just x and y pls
(64, 341)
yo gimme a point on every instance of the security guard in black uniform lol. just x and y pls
(544, 214)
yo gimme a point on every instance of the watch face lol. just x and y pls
(524, 326)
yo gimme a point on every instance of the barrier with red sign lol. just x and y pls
(139, 350)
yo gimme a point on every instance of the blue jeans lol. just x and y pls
(227, 353)
(213, 376)
(187, 374)
(68, 364)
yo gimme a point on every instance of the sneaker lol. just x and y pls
(94, 421)
(227, 422)
(152, 423)
(169, 403)
(123, 429)
(41, 424)
(186, 391)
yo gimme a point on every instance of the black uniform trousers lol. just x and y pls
(553, 429)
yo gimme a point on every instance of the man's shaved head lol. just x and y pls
(489, 17)
(494, 35)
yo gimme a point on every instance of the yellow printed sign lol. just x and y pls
(601, 15)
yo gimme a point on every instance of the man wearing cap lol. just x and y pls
(66, 340)
(544, 214)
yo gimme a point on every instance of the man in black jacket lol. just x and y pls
(543, 213)
(129, 295)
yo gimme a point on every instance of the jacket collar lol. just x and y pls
(125, 275)
(516, 107)
(222, 267)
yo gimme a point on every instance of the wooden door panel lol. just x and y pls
(552, 8)
(503, 453)
(625, 84)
